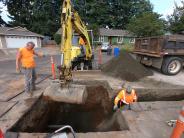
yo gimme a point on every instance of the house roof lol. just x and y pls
(108, 32)
(114, 32)
(19, 31)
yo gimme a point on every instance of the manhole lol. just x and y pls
(95, 115)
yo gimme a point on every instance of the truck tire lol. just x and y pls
(171, 65)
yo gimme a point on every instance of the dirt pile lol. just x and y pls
(126, 68)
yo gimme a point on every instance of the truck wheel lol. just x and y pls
(172, 65)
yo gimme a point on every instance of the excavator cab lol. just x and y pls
(78, 53)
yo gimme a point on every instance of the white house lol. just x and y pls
(17, 37)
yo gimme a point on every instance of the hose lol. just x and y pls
(61, 129)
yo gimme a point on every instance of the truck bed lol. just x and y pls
(159, 46)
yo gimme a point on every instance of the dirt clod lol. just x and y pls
(126, 68)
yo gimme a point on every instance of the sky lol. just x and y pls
(164, 7)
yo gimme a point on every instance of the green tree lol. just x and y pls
(57, 38)
(123, 10)
(93, 13)
(46, 16)
(20, 12)
(112, 13)
(2, 22)
(140, 6)
(176, 20)
(41, 16)
(146, 24)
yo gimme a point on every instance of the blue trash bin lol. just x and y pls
(116, 52)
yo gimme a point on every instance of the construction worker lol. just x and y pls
(82, 46)
(83, 52)
(109, 50)
(25, 60)
(178, 131)
(125, 98)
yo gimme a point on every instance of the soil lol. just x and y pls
(126, 68)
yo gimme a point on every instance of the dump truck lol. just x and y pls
(164, 52)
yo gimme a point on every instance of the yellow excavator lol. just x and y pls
(71, 55)
(63, 89)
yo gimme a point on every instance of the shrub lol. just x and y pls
(57, 38)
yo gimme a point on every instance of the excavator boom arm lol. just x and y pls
(71, 22)
(81, 29)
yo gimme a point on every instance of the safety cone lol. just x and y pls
(1, 134)
(179, 128)
(53, 68)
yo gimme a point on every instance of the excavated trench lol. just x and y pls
(95, 115)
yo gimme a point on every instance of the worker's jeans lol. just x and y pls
(30, 78)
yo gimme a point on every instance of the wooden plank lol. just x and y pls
(5, 107)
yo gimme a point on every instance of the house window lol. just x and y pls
(132, 40)
(120, 39)
(101, 38)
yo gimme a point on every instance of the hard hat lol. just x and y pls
(129, 89)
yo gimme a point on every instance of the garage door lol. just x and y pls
(18, 42)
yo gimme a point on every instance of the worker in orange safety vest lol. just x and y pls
(82, 45)
(124, 98)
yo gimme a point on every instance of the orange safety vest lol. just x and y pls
(125, 97)
(81, 41)
(27, 58)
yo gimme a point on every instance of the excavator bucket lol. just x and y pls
(73, 93)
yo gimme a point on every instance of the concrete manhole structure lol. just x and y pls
(96, 115)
